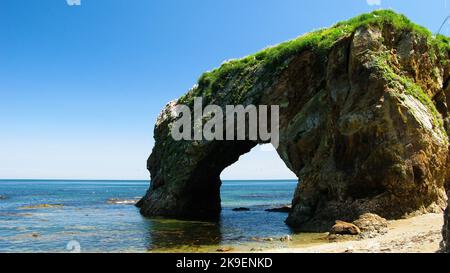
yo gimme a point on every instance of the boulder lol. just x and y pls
(344, 228)
(371, 225)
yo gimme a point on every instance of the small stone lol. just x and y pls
(286, 238)
(333, 237)
(225, 249)
(256, 249)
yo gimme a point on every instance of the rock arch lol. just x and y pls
(362, 124)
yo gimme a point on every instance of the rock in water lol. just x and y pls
(344, 228)
(241, 209)
(42, 206)
(363, 112)
(284, 209)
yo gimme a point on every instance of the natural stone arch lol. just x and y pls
(359, 125)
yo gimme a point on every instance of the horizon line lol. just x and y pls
(146, 180)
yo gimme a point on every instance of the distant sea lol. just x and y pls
(100, 217)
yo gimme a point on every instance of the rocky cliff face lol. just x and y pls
(363, 124)
(446, 229)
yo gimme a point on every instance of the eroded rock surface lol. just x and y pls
(363, 118)
(446, 229)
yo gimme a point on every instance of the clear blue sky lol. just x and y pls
(81, 86)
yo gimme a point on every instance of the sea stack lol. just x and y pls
(364, 125)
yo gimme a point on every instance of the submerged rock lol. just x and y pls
(42, 206)
(241, 209)
(363, 118)
(344, 228)
(284, 209)
(2, 197)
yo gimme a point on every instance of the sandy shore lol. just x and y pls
(420, 234)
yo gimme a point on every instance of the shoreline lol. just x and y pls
(419, 234)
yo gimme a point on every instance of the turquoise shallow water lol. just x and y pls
(84, 214)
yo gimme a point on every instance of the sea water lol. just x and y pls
(100, 217)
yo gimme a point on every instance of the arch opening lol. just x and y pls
(261, 163)
(258, 181)
(256, 192)
(234, 160)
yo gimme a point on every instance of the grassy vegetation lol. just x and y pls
(410, 87)
(274, 59)
(443, 44)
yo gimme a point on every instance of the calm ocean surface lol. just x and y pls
(85, 213)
